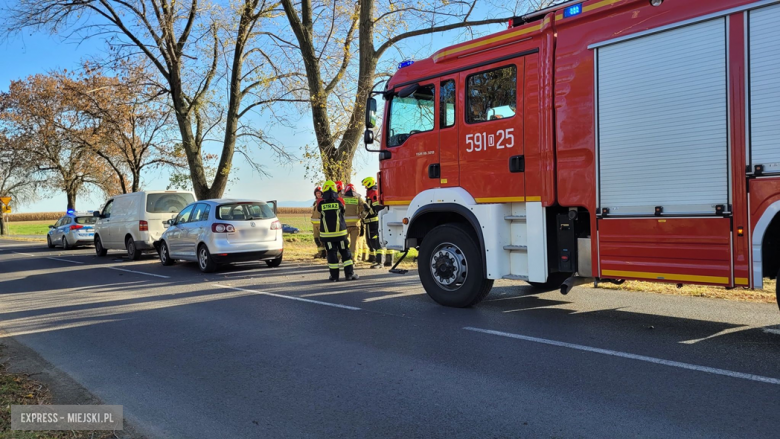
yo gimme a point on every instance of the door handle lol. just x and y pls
(517, 163)
(434, 171)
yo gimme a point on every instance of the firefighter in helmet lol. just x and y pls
(356, 210)
(333, 232)
(372, 222)
(315, 224)
(340, 188)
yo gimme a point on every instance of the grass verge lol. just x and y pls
(20, 389)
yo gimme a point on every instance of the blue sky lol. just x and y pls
(40, 52)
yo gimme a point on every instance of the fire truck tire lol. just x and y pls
(450, 253)
(777, 290)
(554, 282)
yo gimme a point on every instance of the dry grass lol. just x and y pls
(766, 295)
(20, 389)
(36, 216)
(294, 211)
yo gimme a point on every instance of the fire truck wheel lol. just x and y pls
(450, 267)
(777, 290)
(554, 282)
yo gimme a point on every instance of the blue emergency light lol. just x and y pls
(406, 63)
(572, 10)
(71, 211)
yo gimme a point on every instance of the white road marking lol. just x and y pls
(65, 260)
(712, 370)
(300, 299)
(99, 266)
(138, 272)
(772, 331)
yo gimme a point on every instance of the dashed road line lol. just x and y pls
(64, 260)
(677, 364)
(25, 254)
(137, 272)
(281, 296)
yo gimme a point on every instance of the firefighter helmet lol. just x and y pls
(329, 186)
(369, 182)
(317, 189)
(350, 188)
(339, 186)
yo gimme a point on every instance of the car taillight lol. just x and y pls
(222, 228)
(76, 227)
(143, 226)
(276, 225)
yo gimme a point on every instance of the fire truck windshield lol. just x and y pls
(410, 115)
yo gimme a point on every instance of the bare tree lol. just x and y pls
(332, 39)
(125, 123)
(208, 58)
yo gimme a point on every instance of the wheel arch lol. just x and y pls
(766, 237)
(432, 215)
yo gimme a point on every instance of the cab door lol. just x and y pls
(491, 136)
(448, 130)
(412, 138)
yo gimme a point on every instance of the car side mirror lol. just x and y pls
(52, 227)
(171, 221)
(368, 137)
(97, 214)
(371, 113)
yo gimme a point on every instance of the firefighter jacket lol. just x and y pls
(372, 207)
(315, 220)
(355, 209)
(333, 226)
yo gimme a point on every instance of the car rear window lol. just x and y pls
(244, 211)
(167, 203)
(86, 220)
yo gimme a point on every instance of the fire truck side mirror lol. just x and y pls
(368, 137)
(370, 116)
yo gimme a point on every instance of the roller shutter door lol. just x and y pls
(662, 122)
(765, 88)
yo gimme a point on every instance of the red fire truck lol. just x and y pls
(599, 139)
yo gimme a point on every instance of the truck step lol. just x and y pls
(516, 248)
(399, 248)
(395, 224)
(515, 217)
(516, 277)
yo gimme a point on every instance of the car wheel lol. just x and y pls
(205, 262)
(273, 263)
(65, 244)
(450, 267)
(99, 250)
(132, 252)
(165, 255)
(48, 242)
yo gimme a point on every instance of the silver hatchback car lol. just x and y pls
(72, 230)
(216, 232)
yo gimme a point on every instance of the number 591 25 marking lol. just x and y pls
(481, 141)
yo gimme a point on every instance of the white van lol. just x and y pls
(135, 222)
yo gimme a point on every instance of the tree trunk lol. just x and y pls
(71, 194)
(3, 230)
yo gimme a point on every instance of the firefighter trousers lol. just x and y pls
(334, 248)
(372, 239)
(354, 232)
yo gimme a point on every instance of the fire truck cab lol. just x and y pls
(599, 139)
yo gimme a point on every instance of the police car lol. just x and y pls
(72, 230)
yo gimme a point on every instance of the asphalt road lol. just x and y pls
(257, 352)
